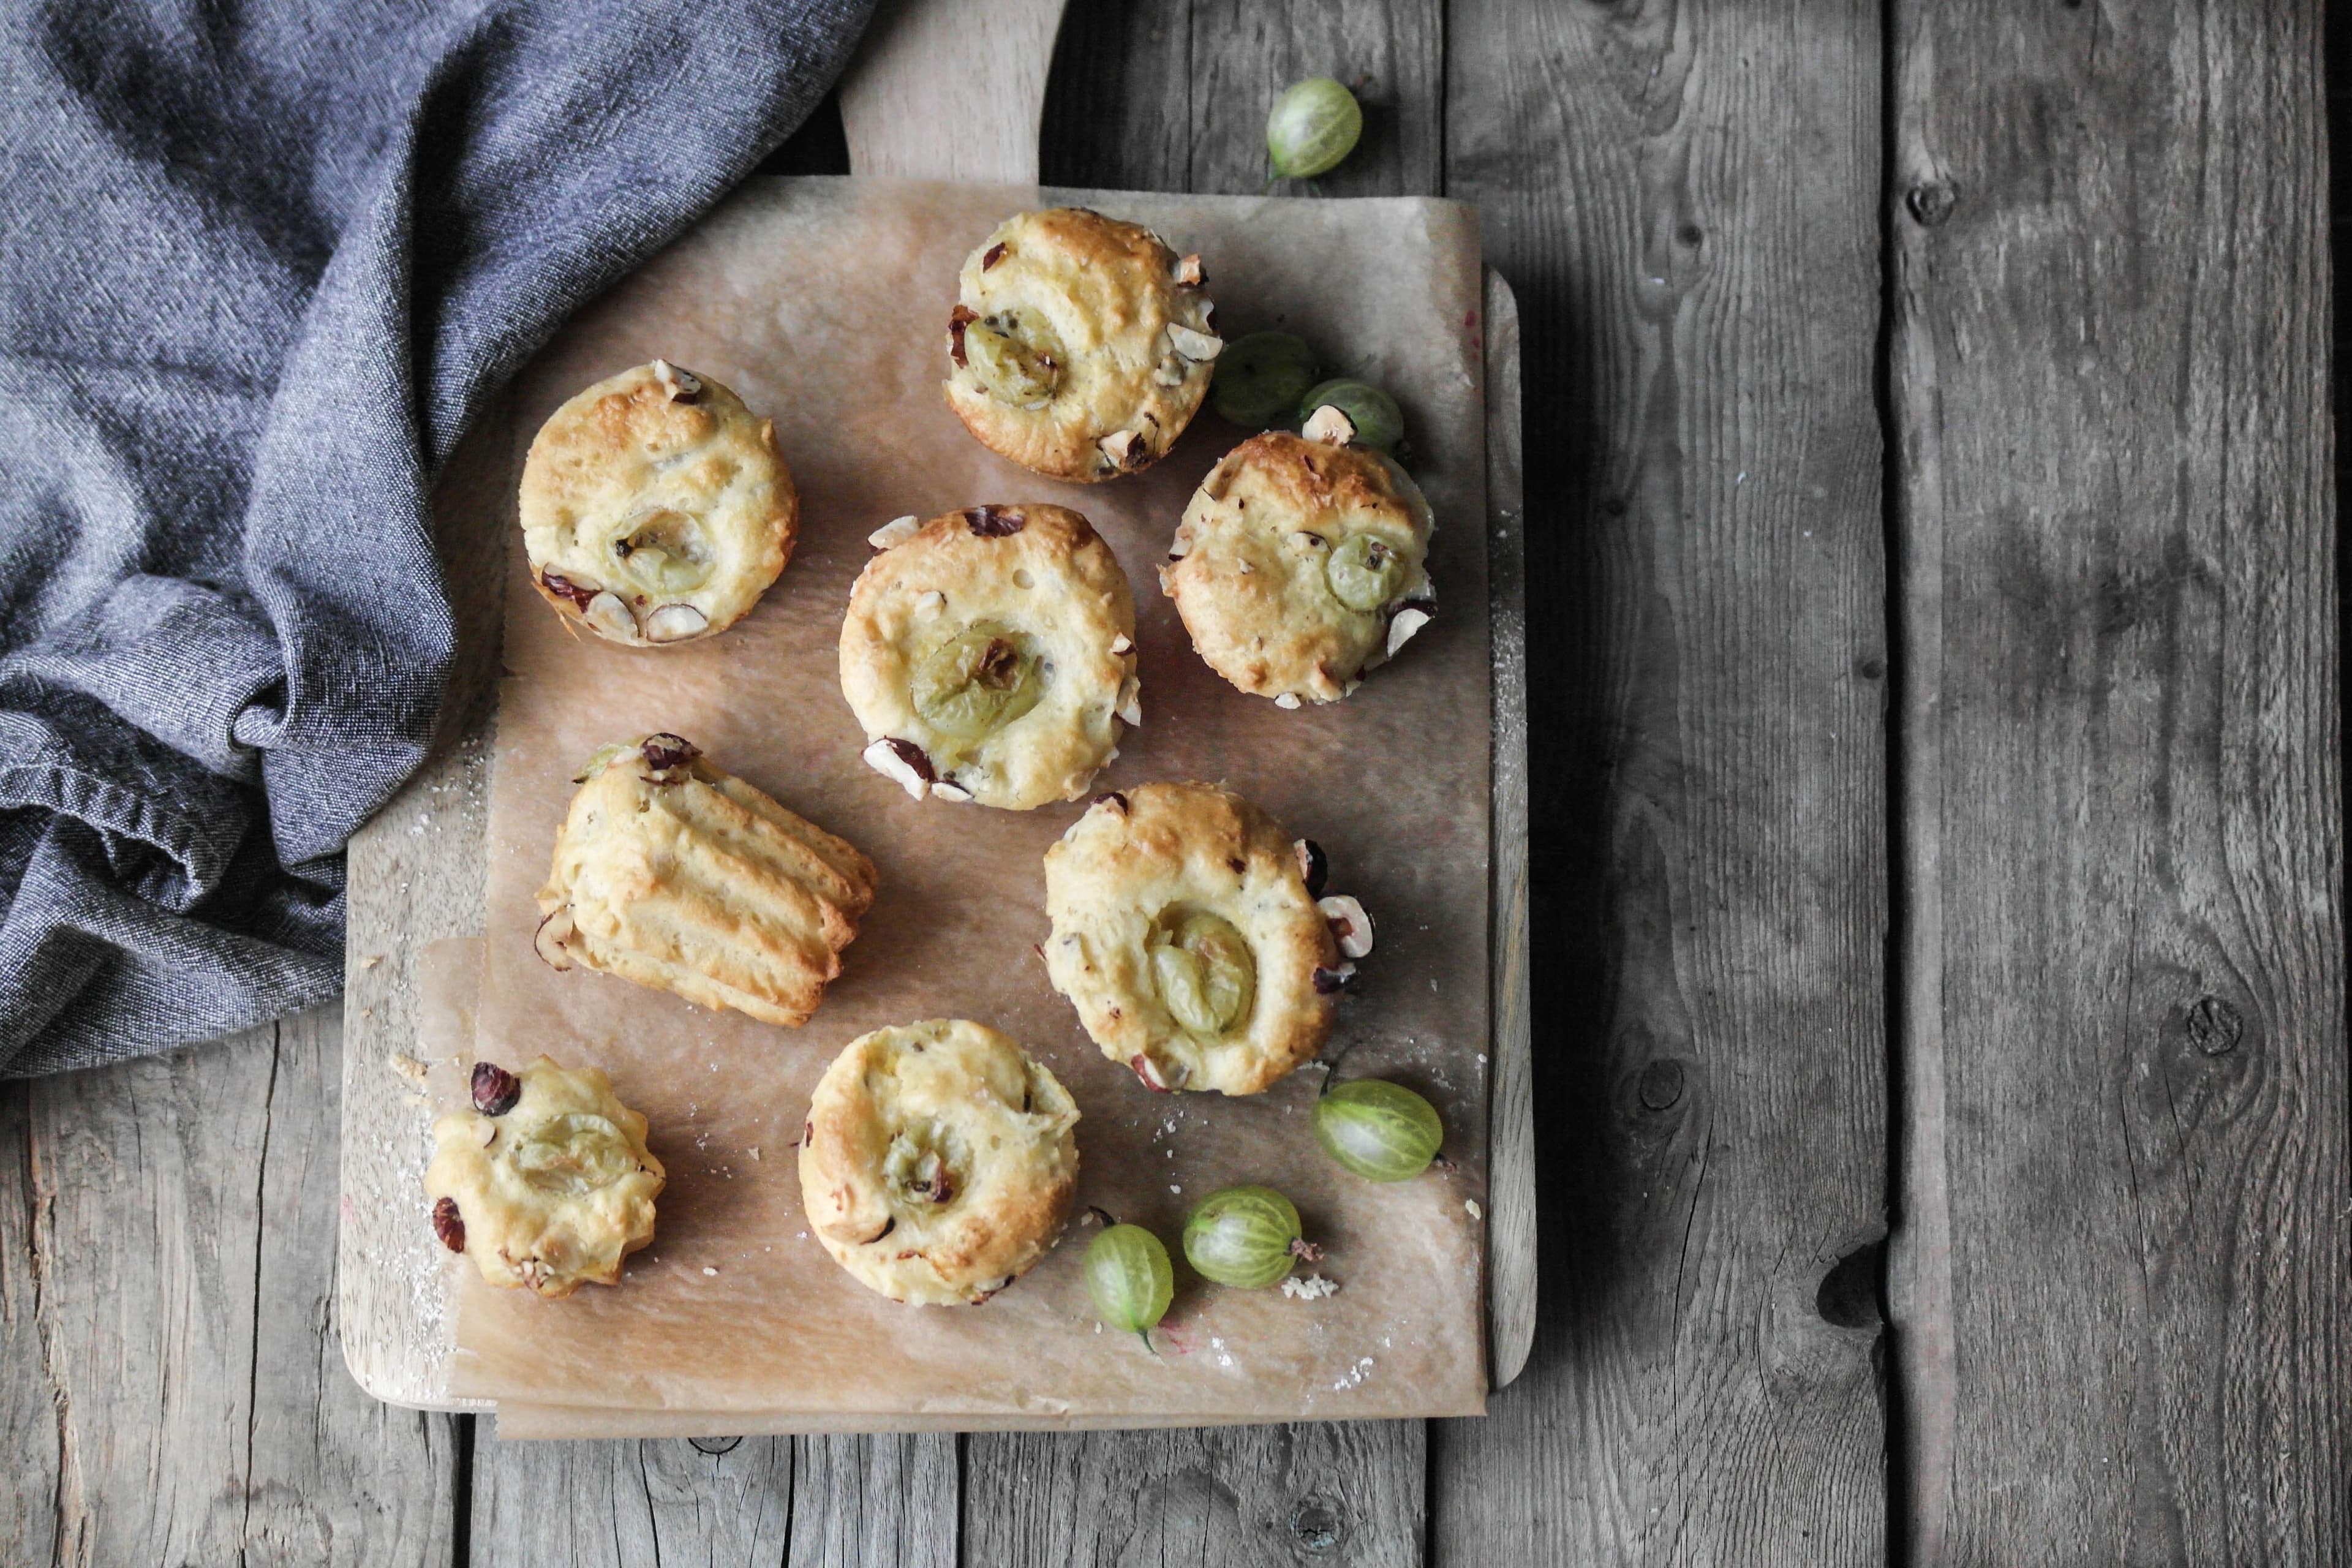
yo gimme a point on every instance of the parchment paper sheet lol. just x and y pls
(823, 302)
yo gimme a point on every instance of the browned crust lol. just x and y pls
(580, 461)
(1258, 628)
(1120, 276)
(1162, 840)
(994, 1230)
(695, 882)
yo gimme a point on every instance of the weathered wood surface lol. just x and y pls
(1329, 1492)
(2110, 320)
(2120, 1284)
(949, 91)
(1123, 75)
(1511, 1214)
(1172, 95)
(173, 1390)
(812, 1502)
(1685, 199)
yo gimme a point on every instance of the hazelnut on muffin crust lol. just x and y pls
(938, 1162)
(1194, 939)
(1080, 346)
(1301, 565)
(989, 655)
(546, 1182)
(656, 508)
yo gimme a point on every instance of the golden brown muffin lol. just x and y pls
(547, 1182)
(1187, 936)
(1081, 346)
(1299, 565)
(989, 655)
(938, 1162)
(676, 875)
(656, 509)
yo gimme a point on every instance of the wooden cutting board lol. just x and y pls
(417, 871)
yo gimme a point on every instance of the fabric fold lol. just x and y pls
(259, 277)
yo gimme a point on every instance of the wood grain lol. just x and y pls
(1683, 199)
(1511, 1229)
(2110, 380)
(179, 1324)
(949, 91)
(32, 1423)
(876, 1502)
(335, 1477)
(813, 1502)
(1172, 95)
(622, 1503)
(1238, 1495)
(1334, 1492)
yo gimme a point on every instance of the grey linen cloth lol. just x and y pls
(261, 261)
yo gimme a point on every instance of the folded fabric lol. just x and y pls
(260, 264)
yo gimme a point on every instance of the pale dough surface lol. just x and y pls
(1039, 577)
(938, 1161)
(675, 874)
(1252, 558)
(655, 506)
(1131, 347)
(1136, 857)
(556, 1191)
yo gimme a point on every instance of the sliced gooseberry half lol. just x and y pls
(1205, 972)
(1015, 359)
(573, 1155)
(663, 553)
(977, 681)
(1364, 571)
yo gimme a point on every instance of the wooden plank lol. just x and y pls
(942, 92)
(813, 1502)
(1511, 1302)
(1240, 1494)
(1338, 1492)
(333, 1476)
(32, 1433)
(1172, 95)
(622, 1503)
(1117, 112)
(1684, 200)
(2121, 725)
(415, 875)
(196, 1409)
(875, 1502)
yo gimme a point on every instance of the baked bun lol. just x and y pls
(1081, 346)
(938, 1162)
(989, 655)
(679, 876)
(656, 509)
(1300, 565)
(1186, 935)
(547, 1182)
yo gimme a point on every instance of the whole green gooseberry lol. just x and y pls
(1243, 1236)
(1315, 125)
(1381, 1131)
(1130, 1279)
(1261, 377)
(1378, 422)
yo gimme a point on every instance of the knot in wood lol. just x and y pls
(1662, 1084)
(2214, 1026)
(716, 1445)
(1316, 1523)
(1847, 1297)
(1931, 202)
